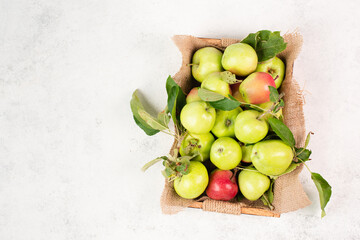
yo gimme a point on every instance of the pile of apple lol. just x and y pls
(230, 126)
(232, 140)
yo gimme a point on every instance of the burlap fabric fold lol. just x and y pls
(288, 191)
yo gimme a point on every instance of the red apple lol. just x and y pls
(255, 88)
(193, 95)
(222, 185)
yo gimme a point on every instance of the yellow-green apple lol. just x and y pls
(225, 153)
(206, 60)
(266, 106)
(194, 183)
(197, 143)
(222, 185)
(224, 123)
(255, 88)
(252, 183)
(271, 157)
(193, 95)
(248, 128)
(214, 82)
(246, 153)
(240, 59)
(198, 117)
(275, 67)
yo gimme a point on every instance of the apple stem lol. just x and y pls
(305, 165)
(234, 174)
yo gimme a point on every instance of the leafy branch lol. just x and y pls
(152, 125)
(302, 155)
(267, 44)
(175, 166)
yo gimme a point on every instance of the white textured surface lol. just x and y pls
(71, 153)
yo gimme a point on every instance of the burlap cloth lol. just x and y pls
(288, 191)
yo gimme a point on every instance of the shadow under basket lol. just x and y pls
(289, 194)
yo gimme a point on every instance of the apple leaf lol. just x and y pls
(270, 136)
(274, 95)
(303, 154)
(229, 77)
(176, 100)
(151, 121)
(217, 100)
(209, 96)
(308, 139)
(265, 199)
(152, 162)
(270, 192)
(267, 44)
(137, 106)
(225, 104)
(324, 190)
(163, 117)
(247, 105)
(282, 131)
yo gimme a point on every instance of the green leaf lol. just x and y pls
(163, 117)
(282, 131)
(291, 168)
(152, 162)
(270, 192)
(229, 77)
(281, 103)
(270, 136)
(176, 100)
(267, 44)
(183, 168)
(168, 172)
(303, 154)
(217, 100)
(136, 105)
(247, 105)
(225, 104)
(151, 121)
(148, 130)
(274, 95)
(265, 199)
(324, 190)
(209, 96)
(308, 139)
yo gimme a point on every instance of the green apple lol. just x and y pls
(225, 153)
(271, 157)
(253, 184)
(240, 59)
(197, 143)
(193, 95)
(249, 129)
(275, 67)
(224, 123)
(255, 88)
(198, 117)
(205, 61)
(266, 106)
(194, 183)
(246, 153)
(214, 82)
